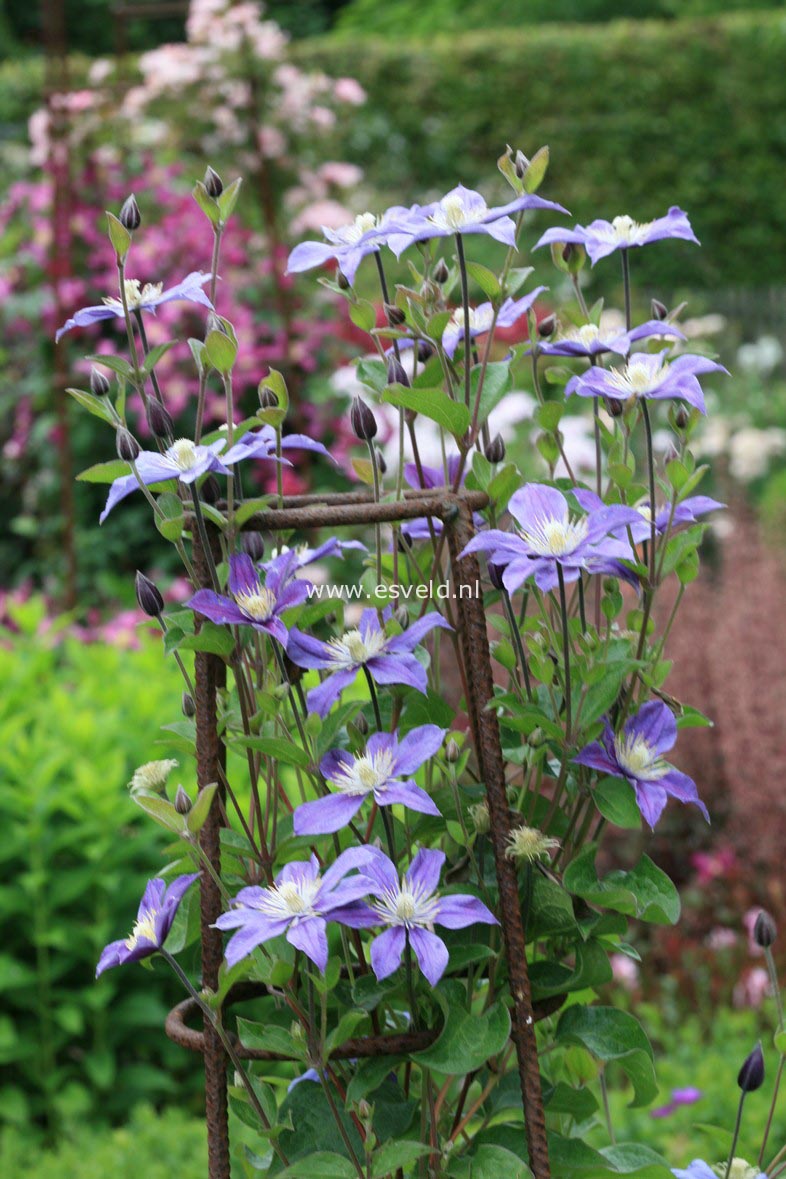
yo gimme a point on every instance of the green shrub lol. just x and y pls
(75, 721)
(636, 116)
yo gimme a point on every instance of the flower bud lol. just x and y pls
(126, 445)
(401, 616)
(765, 930)
(495, 450)
(394, 315)
(343, 281)
(424, 351)
(681, 417)
(751, 1075)
(495, 575)
(182, 801)
(148, 596)
(210, 490)
(547, 326)
(99, 385)
(187, 705)
(441, 274)
(130, 217)
(381, 464)
(658, 310)
(397, 374)
(268, 398)
(614, 408)
(159, 419)
(213, 182)
(479, 814)
(363, 421)
(452, 752)
(361, 724)
(254, 545)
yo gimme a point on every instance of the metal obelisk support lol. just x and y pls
(471, 621)
(209, 677)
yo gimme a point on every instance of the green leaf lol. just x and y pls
(198, 352)
(271, 1038)
(161, 810)
(216, 640)
(320, 1165)
(118, 236)
(155, 354)
(373, 374)
(170, 524)
(363, 314)
(517, 276)
(616, 800)
(393, 1155)
(536, 170)
(104, 472)
(118, 364)
(221, 351)
(435, 404)
(467, 1040)
(496, 383)
(644, 892)
(485, 278)
(548, 415)
(629, 1158)
(228, 199)
(609, 1034)
(492, 1162)
(197, 816)
(99, 407)
(276, 747)
(206, 203)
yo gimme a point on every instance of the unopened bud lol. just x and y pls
(210, 491)
(479, 814)
(148, 596)
(363, 421)
(547, 326)
(495, 450)
(536, 737)
(397, 374)
(751, 1075)
(126, 445)
(213, 182)
(364, 1110)
(381, 464)
(182, 801)
(567, 251)
(268, 398)
(495, 575)
(254, 545)
(614, 408)
(187, 705)
(343, 281)
(401, 616)
(765, 930)
(361, 724)
(130, 217)
(659, 310)
(394, 315)
(159, 419)
(441, 274)
(99, 385)
(424, 351)
(452, 752)
(681, 417)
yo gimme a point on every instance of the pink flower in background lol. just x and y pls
(752, 989)
(721, 938)
(348, 90)
(624, 971)
(708, 866)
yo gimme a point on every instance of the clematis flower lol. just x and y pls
(549, 536)
(299, 904)
(142, 298)
(592, 340)
(262, 444)
(463, 211)
(410, 907)
(701, 1170)
(481, 317)
(636, 754)
(183, 460)
(349, 244)
(154, 919)
(686, 512)
(433, 477)
(679, 1097)
(252, 603)
(602, 238)
(303, 555)
(389, 660)
(378, 771)
(648, 375)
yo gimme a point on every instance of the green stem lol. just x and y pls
(203, 538)
(566, 653)
(465, 304)
(203, 375)
(736, 1135)
(626, 287)
(606, 1109)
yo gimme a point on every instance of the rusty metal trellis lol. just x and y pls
(454, 510)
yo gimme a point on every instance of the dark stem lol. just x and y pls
(203, 538)
(374, 699)
(465, 303)
(566, 652)
(735, 1137)
(516, 636)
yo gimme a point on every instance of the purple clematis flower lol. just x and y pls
(154, 919)
(389, 660)
(348, 245)
(550, 537)
(481, 318)
(433, 477)
(686, 512)
(378, 771)
(463, 211)
(183, 460)
(299, 904)
(410, 908)
(701, 1170)
(262, 444)
(648, 375)
(142, 298)
(602, 238)
(679, 1097)
(252, 603)
(637, 755)
(591, 340)
(303, 554)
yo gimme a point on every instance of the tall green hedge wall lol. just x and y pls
(637, 115)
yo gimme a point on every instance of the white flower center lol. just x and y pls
(350, 235)
(451, 213)
(407, 906)
(144, 928)
(480, 319)
(259, 606)
(585, 335)
(136, 294)
(639, 378)
(353, 648)
(290, 899)
(645, 511)
(628, 232)
(638, 758)
(369, 772)
(552, 537)
(183, 454)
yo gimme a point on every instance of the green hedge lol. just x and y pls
(637, 116)
(75, 721)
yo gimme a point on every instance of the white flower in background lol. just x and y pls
(761, 357)
(750, 450)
